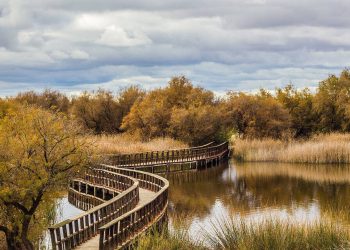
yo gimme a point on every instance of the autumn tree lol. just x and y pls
(49, 99)
(300, 106)
(158, 113)
(5, 106)
(39, 151)
(195, 125)
(256, 116)
(126, 99)
(331, 103)
(97, 111)
(150, 116)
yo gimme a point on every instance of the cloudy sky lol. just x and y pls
(223, 44)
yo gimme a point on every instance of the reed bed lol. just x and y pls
(177, 240)
(272, 234)
(320, 149)
(229, 234)
(124, 143)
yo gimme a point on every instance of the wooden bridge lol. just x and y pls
(121, 201)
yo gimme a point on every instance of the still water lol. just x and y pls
(260, 191)
(254, 191)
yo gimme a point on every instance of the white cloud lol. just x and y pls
(80, 55)
(117, 36)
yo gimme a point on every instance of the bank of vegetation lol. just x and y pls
(194, 115)
(242, 235)
(47, 137)
(333, 148)
(126, 144)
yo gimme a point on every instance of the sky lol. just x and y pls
(222, 45)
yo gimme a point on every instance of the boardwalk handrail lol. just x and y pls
(124, 229)
(144, 152)
(99, 180)
(167, 156)
(71, 233)
(112, 197)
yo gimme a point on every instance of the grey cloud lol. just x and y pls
(223, 44)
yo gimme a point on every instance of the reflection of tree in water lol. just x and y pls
(195, 193)
(250, 193)
(287, 189)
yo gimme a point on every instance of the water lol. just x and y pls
(255, 192)
(64, 211)
(258, 192)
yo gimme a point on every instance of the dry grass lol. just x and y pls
(326, 148)
(274, 234)
(124, 143)
(229, 234)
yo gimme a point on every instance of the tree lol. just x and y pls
(256, 116)
(5, 106)
(126, 99)
(331, 103)
(39, 151)
(300, 106)
(97, 111)
(49, 99)
(151, 116)
(181, 93)
(195, 125)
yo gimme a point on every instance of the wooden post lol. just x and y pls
(53, 239)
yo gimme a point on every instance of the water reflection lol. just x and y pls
(253, 191)
(260, 191)
(64, 211)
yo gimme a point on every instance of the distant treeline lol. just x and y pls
(194, 115)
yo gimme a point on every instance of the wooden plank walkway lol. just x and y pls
(93, 243)
(113, 221)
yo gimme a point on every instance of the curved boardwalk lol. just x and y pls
(121, 201)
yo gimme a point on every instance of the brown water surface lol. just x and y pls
(260, 191)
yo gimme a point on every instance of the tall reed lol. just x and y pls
(125, 143)
(177, 240)
(272, 234)
(326, 148)
(229, 234)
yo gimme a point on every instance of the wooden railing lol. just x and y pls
(111, 196)
(121, 231)
(71, 233)
(169, 156)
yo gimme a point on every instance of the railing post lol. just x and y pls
(53, 238)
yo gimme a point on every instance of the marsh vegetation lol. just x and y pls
(288, 126)
(333, 148)
(258, 206)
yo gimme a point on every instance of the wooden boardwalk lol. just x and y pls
(93, 244)
(122, 202)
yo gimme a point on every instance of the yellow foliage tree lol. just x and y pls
(39, 151)
(195, 125)
(257, 116)
(161, 111)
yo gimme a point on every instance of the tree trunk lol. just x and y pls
(24, 235)
(14, 242)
